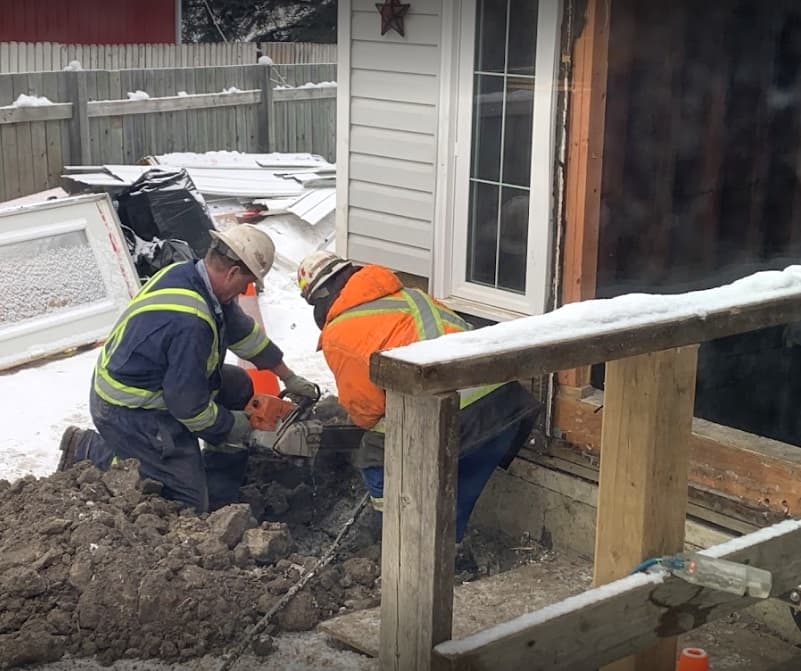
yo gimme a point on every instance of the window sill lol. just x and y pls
(481, 310)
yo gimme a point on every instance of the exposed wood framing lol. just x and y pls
(418, 541)
(642, 493)
(585, 164)
(761, 476)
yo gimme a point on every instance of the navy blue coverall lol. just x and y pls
(160, 384)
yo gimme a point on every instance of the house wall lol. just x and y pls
(388, 149)
(89, 21)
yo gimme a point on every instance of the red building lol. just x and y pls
(90, 21)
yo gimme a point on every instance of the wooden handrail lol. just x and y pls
(608, 341)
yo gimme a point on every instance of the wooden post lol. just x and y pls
(585, 151)
(80, 150)
(266, 117)
(417, 562)
(642, 495)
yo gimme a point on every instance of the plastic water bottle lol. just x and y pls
(720, 574)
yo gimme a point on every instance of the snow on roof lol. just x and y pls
(602, 316)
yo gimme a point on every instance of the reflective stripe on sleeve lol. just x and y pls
(203, 420)
(253, 343)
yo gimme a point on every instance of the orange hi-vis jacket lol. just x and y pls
(374, 312)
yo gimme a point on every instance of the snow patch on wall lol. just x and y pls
(138, 95)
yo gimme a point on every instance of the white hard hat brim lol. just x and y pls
(220, 235)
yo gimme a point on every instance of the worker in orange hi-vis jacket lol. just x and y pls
(364, 309)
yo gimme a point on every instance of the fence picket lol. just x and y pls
(45, 56)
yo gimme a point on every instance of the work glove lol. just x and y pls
(300, 386)
(240, 430)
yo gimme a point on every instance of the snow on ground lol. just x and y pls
(39, 402)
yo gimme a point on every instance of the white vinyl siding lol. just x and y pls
(390, 166)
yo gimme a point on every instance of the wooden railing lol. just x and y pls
(648, 407)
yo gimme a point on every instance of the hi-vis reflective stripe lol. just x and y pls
(148, 300)
(425, 314)
(378, 504)
(429, 318)
(466, 397)
(203, 420)
(119, 394)
(253, 343)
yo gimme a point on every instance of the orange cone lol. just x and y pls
(693, 659)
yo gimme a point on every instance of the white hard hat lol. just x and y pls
(316, 269)
(250, 245)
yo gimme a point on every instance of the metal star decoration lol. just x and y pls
(392, 15)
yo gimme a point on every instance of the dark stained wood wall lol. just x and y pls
(702, 179)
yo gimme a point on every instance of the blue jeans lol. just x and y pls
(474, 471)
(167, 451)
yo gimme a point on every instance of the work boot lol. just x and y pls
(71, 441)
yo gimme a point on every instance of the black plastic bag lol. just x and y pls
(164, 204)
(151, 256)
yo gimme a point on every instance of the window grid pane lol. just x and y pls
(500, 169)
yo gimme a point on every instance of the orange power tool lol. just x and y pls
(268, 412)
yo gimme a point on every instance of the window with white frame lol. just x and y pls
(500, 164)
(503, 185)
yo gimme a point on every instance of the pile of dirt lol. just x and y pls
(96, 563)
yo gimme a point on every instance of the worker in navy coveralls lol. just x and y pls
(160, 383)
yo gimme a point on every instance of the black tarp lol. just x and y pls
(164, 204)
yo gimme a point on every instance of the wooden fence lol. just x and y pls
(52, 56)
(93, 122)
